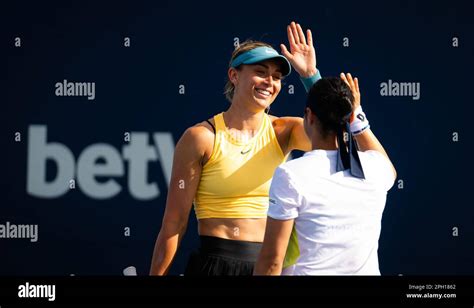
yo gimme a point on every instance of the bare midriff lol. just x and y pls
(239, 229)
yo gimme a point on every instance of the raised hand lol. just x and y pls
(302, 55)
(354, 85)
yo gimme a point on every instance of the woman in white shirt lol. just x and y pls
(326, 207)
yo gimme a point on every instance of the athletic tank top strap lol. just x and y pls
(213, 128)
(219, 121)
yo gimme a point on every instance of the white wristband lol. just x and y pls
(360, 122)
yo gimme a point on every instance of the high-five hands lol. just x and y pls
(302, 55)
(353, 84)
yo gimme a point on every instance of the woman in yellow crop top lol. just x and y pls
(224, 165)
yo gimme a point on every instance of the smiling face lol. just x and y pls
(256, 85)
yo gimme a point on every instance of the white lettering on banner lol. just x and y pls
(138, 153)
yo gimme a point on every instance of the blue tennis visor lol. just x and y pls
(260, 54)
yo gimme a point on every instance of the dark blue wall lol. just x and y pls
(176, 43)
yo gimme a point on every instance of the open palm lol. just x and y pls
(302, 55)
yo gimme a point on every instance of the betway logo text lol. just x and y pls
(138, 152)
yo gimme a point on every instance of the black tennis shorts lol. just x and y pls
(222, 257)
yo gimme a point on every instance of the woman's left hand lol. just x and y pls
(353, 84)
(302, 55)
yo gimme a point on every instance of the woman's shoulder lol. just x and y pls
(206, 126)
(298, 165)
(377, 167)
(275, 120)
(280, 124)
(200, 134)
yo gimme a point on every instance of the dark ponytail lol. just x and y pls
(331, 100)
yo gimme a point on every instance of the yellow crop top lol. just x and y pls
(236, 180)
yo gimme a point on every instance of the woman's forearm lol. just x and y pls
(165, 250)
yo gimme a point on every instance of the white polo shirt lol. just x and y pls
(337, 217)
